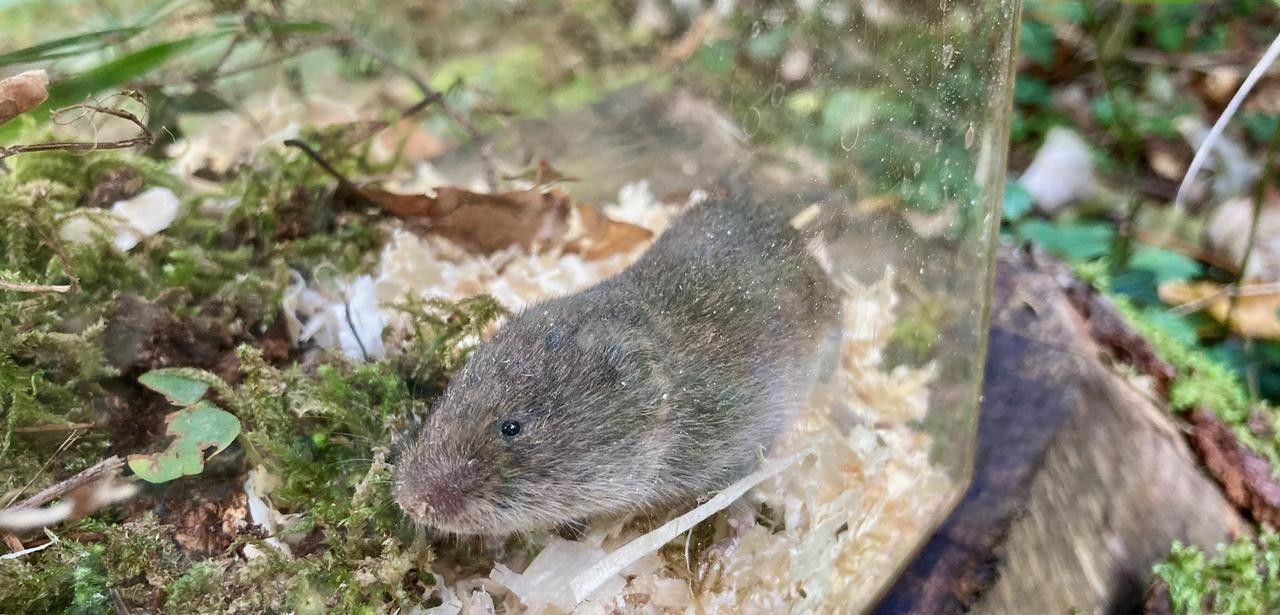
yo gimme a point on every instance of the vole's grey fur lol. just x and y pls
(661, 384)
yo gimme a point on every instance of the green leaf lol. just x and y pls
(1074, 241)
(176, 384)
(1032, 91)
(1167, 265)
(196, 429)
(116, 73)
(113, 74)
(1017, 202)
(1036, 42)
(69, 45)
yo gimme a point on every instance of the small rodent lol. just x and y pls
(661, 384)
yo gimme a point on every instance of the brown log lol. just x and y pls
(1082, 480)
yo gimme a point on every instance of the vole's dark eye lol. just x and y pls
(510, 429)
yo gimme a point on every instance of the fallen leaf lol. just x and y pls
(602, 236)
(22, 92)
(1220, 84)
(1255, 316)
(176, 384)
(480, 222)
(1168, 158)
(195, 429)
(1228, 234)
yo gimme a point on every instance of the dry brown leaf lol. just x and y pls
(603, 236)
(411, 140)
(480, 222)
(22, 92)
(1168, 158)
(1228, 234)
(1254, 315)
(1265, 97)
(1220, 84)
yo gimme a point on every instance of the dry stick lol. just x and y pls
(19, 287)
(66, 443)
(1252, 290)
(54, 427)
(343, 183)
(145, 138)
(485, 146)
(92, 474)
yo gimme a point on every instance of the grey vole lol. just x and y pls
(661, 384)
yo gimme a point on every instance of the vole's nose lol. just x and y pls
(444, 496)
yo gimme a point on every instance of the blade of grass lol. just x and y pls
(113, 74)
(69, 45)
(125, 68)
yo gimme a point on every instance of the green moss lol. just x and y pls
(1243, 578)
(444, 334)
(1200, 380)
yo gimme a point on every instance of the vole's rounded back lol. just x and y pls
(662, 383)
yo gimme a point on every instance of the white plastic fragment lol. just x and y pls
(1061, 172)
(590, 580)
(545, 582)
(339, 314)
(257, 487)
(128, 222)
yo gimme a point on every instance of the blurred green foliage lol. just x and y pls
(1242, 578)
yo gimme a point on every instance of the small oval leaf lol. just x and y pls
(176, 384)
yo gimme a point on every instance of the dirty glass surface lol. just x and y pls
(876, 129)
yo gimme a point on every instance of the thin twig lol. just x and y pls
(1193, 61)
(23, 552)
(144, 138)
(94, 473)
(55, 427)
(343, 182)
(483, 145)
(1252, 290)
(19, 287)
(66, 443)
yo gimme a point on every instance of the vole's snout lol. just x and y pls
(440, 498)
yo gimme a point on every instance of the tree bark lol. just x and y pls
(1082, 478)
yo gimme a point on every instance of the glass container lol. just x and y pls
(889, 117)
